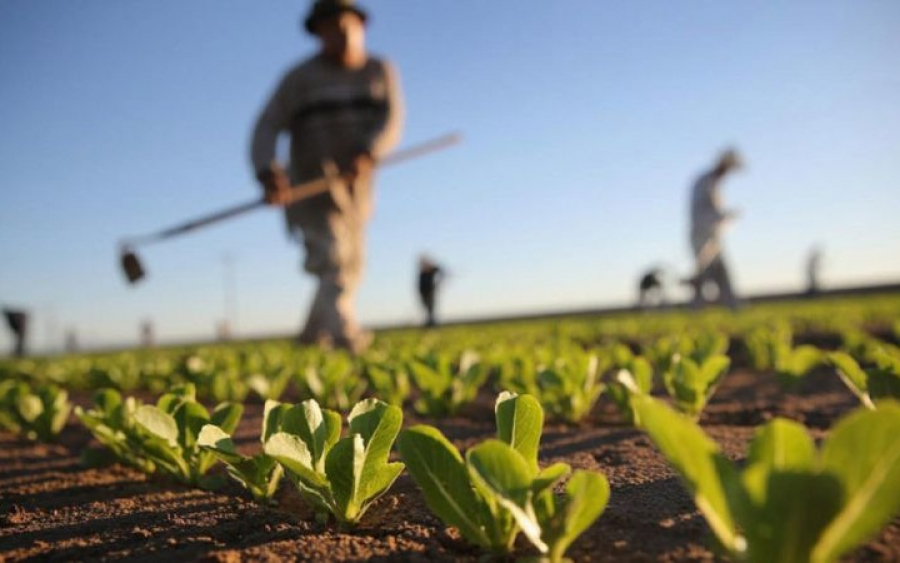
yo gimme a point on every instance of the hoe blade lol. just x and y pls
(131, 266)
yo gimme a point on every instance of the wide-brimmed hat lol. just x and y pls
(322, 9)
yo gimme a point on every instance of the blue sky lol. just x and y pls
(585, 123)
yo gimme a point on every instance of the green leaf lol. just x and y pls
(30, 407)
(437, 467)
(215, 439)
(503, 472)
(783, 445)
(227, 416)
(157, 423)
(782, 512)
(520, 420)
(706, 473)
(586, 496)
(378, 424)
(294, 455)
(344, 467)
(863, 452)
(852, 375)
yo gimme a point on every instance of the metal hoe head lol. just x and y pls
(131, 265)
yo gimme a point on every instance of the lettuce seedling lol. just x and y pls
(570, 386)
(260, 474)
(444, 385)
(112, 423)
(37, 414)
(691, 384)
(870, 383)
(498, 489)
(636, 376)
(789, 503)
(338, 476)
(170, 430)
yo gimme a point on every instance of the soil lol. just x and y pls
(52, 509)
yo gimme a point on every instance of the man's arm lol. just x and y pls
(273, 120)
(387, 136)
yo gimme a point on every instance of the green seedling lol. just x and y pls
(112, 423)
(446, 385)
(37, 414)
(869, 384)
(340, 477)
(691, 384)
(498, 489)
(789, 503)
(260, 474)
(169, 431)
(570, 386)
(635, 376)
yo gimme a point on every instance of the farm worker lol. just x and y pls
(708, 218)
(17, 321)
(430, 275)
(343, 111)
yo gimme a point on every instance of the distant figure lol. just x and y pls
(72, 341)
(813, 265)
(430, 275)
(650, 289)
(17, 321)
(707, 221)
(148, 338)
(343, 111)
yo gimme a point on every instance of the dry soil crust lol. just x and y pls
(52, 509)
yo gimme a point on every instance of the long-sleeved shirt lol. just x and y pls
(332, 113)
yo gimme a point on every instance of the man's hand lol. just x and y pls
(276, 184)
(362, 167)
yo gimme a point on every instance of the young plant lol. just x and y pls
(389, 381)
(789, 503)
(338, 476)
(37, 414)
(169, 430)
(260, 474)
(333, 380)
(111, 421)
(870, 383)
(444, 385)
(634, 376)
(570, 386)
(691, 384)
(499, 489)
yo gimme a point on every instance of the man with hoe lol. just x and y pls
(343, 111)
(708, 218)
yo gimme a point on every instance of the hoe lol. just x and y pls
(131, 263)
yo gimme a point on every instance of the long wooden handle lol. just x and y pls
(298, 192)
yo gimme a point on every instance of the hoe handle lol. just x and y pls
(298, 192)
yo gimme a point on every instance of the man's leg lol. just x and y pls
(719, 274)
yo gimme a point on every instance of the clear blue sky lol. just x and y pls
(585, 123)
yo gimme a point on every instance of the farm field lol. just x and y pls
(54, 507)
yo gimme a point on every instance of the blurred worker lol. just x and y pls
(343, 111)
(708, 218)
(430, 276)
(17, 321)
(813, 265)
(650, 289)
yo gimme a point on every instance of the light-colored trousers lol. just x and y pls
(333, 231)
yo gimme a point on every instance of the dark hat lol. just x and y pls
(322, 9)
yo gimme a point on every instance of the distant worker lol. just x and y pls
(650, 289)
(708, 219)
(343, 111)
(813, 265)
(430, 276)
(17, 321)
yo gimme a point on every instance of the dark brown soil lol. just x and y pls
(52, 509)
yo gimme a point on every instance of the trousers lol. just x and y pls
(332, 227)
